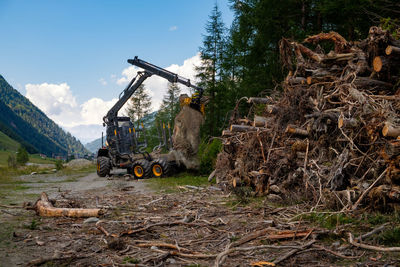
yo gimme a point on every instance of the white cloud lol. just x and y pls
(103, 81)
(173, 28)
(86, 133)
(51, 98)
(93, 110)
(85, 120)
(157, 85)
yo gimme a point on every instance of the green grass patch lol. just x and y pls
(390, 237)
(6, 143)
(83, 170)
(380, 218)
(131, 260)
(329, 220)
(170, 184)
(6, 173)
(36, 158)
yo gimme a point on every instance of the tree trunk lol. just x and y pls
(260, 121)
(44, 208)
(347, 123)
(364, 82)
(244, 128)
(297, 131)
(260, 100)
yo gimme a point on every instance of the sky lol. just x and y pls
(69, 58)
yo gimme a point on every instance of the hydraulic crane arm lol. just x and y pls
(134, 84)
(170, 76)
(149, 70)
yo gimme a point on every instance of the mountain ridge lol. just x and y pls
(27, 124)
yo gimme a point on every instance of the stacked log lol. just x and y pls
(332, 137)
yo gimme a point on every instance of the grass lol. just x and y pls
(6, 143)
(36, 158)
(6, 173)
(329, 220)
(79, 171)
(171, 184)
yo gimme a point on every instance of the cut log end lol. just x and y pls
(297, 131)
(377, 64)
(391, 50)
(390, 130)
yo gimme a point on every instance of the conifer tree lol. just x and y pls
(170, 105)
(139, 105)
(210, 70)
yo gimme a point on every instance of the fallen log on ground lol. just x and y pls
(44, 208)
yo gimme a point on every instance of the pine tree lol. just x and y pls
(210, 71)
(22, 156)
(170, 105)
(139, 105)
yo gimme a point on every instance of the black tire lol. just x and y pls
(141, 169)
(160, 168)
(103, 166)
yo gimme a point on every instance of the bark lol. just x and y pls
(364, 82)
(260, 100)
(392, 148)
(260, 121)
(297, 131)
(296, 80)
(312, 80)
(226, 133)
(347, 122)
(341, 45)
(244, 128)
(272, 109)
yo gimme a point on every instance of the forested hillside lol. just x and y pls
(25, 123)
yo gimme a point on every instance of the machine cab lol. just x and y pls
(121, 136)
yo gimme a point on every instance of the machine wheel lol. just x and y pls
(103, 166)
(160, 167)
(141, 169)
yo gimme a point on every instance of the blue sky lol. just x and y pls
(69, 57)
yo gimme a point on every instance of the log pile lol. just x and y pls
(333, 135)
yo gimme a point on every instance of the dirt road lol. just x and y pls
(65, 186)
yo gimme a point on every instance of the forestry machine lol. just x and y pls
(122, 149)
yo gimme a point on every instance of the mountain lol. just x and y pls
(28, 125)
(94, 145)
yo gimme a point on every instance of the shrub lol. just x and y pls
(12, 162)
(208, 155)
(22, 156)
(59, 164)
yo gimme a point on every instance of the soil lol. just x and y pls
(189, 227)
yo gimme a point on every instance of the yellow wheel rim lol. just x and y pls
(138, 171)
(157, 170)
(98, 166)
